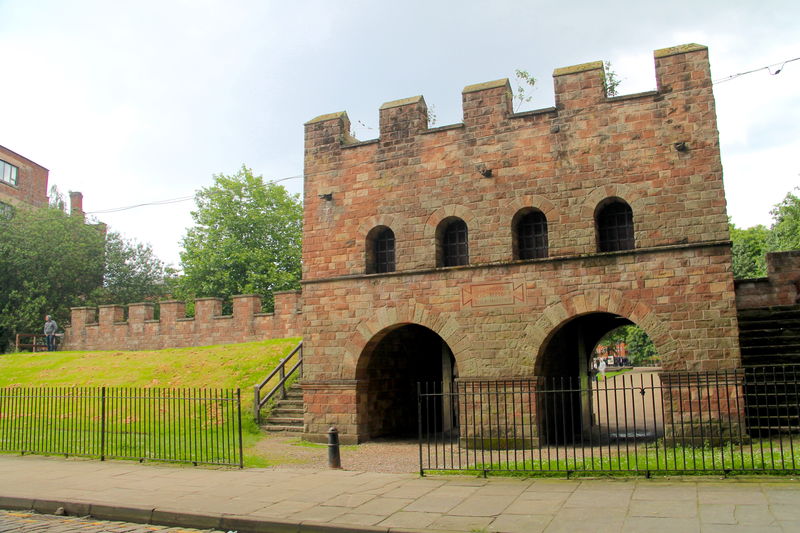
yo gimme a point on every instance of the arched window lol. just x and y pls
(614, 226)
(530, 234)
(380, 250)
(453, 242)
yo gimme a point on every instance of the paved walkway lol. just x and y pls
(267, 500)
(32, 522)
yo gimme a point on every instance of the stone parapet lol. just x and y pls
(780, 287)
(173, 329)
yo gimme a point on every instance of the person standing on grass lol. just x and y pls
(50, 328)
(601, 368)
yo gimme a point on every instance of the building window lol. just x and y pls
(8, 173)
(530, 235)
(614, 226)
(454, 244)
(6, 211)
(380, 250)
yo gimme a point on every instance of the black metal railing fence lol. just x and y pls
(198, 426)
(744, 420)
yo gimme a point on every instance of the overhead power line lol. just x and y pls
(769, 68)
(168, 201)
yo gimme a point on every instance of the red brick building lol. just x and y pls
(507, 245)
(22, 182)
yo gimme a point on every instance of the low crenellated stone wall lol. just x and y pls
(107, 329)
(780, 287)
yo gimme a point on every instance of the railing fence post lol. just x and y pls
(102, 423)
(239, 417)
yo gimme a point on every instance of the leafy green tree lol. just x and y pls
(132, 272)
(640, 349)
(49, 262)
(785, 231)
(246, 239)
(749, 250)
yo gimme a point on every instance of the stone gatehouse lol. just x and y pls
(507, 245)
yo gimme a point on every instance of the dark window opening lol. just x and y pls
(384, 251)
(615, 227)
(380, 250)
(532, 236)
(455, 248)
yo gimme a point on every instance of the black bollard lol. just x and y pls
(334, 460)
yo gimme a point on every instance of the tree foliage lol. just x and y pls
(749, 251)
(522, 81)
(246, 239)
(784, 234)
(132, 272)
(49, 262)
(639, 348)
(610, 79)
(750, 245)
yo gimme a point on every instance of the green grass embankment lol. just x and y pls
(221, 366)
(227, 366)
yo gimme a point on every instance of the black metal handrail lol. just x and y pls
(258, 400)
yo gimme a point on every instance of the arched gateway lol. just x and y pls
(391, 365)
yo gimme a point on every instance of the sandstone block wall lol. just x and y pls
(107, 330)
(658, 151)
(780, 287)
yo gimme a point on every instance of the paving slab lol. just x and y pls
(520, 523)
(717, 513)
(663, 509)
(330, 501)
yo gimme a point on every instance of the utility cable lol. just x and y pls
(768, 68)
(169, 201)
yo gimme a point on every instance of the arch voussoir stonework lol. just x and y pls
(632, 195)
(535, 201)
(612, 301)
(378, 220)
(452, 210)
(384, 318)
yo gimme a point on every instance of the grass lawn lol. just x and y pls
(613, 373)
(757, 457)
(210, 367)
(222, 366)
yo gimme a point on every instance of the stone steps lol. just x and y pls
(287, 414)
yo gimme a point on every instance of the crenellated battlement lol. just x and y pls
(489, 104)
(105, 327)
(589, 146)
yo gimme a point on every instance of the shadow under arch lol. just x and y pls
(389, 367)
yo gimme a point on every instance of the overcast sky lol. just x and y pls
(133, 102)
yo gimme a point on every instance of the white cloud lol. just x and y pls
(132, 102)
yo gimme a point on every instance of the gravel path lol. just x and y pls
(288, 451)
